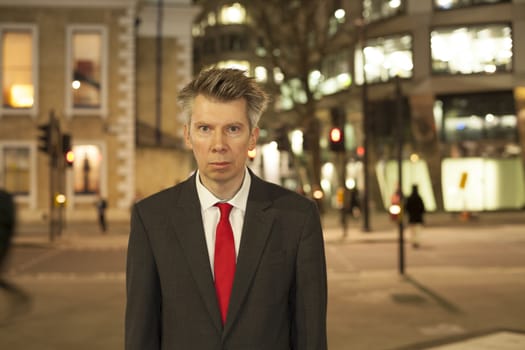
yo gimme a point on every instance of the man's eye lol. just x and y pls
(204, 128)
(234, 128)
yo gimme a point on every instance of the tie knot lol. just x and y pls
(225, 208)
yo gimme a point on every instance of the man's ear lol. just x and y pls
(253, 138)
(187, 138)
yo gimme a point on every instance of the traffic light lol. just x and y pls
(337, 139)
(337, 132)
(67, 150)
(44, 138)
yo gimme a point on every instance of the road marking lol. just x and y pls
(442, 329)
(73, 277)
(32, 262)
(500, 340)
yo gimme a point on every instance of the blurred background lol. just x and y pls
(359, 89)
(368, 98)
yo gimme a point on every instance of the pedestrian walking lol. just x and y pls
(101, 205)
(18, 298)
(415, 209)
(354, 206)
(224, 259)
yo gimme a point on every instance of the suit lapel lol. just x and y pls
(256, 230)
(188, 227)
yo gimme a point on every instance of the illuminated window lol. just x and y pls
(483, 116)
(242, 65)
(197, 31)
(468, 50)
(378, 9)
(261, 74)
(336, 20)
(278, 75)
(232, 14)
(453, 4)
(386, 58)
(87, 69)
(16, 170)
(336, 73)
(18, 67)
(292, 92)
(212, 20)
(87, 169)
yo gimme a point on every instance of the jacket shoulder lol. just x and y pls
(282, 197)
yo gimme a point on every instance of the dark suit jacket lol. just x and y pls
(278, 300)
(7, 224)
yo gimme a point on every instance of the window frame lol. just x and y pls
(473, 99)
(79, 199)
(32, 111)
(398, 12)
(30, 199)
(390, 36)
(70, 110)
(436, 8)
(469, 26)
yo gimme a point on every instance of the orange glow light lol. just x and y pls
(252, 153)
(70, 156)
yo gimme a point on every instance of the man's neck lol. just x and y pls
(224, 191)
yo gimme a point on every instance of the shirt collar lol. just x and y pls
(239, 200)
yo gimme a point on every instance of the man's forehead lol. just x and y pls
(211, 109)
(215, 99)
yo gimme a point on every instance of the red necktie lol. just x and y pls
(224, 261)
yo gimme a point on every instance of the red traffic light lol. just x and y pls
(67, 150)
(335, 135)
(337, 139)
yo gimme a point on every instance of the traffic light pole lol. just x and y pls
(52, 142)
(54, 226)
(365, 205)
(342, 161)
(53, 147)
(400, 129)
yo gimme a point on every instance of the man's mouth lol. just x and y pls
(220, 164)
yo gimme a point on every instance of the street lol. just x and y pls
(466, 281)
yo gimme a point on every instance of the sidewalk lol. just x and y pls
(381, 229)
(74, 235)
(436, 305)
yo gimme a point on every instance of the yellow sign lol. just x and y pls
(340, 197)
(463, 180)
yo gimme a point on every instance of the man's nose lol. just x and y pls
(219, 141)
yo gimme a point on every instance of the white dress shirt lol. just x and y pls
(211, 214)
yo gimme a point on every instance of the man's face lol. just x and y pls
(219, 135)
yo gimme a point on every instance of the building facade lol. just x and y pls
(89, 65)
(455, 67)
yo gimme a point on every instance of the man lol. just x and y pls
(181, 291)
(101, 205)
(19, 298)
(415, 208)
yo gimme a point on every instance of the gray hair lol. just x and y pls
(225, 85)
